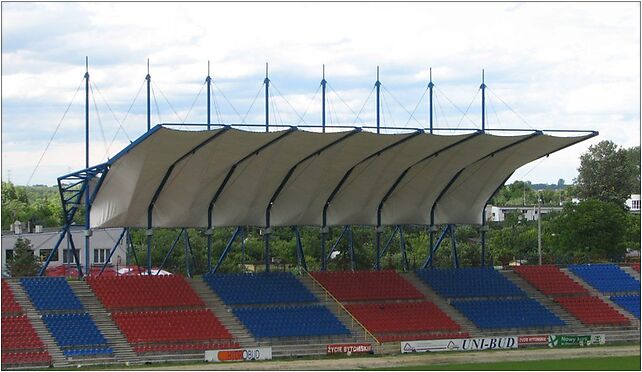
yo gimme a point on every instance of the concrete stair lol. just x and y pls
(443, 304)
(58, 359)
(629, 333)
(223, 313)
(572, 323)
(631, 272)
(115, 339)
(358, 332)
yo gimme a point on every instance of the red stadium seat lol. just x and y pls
(550, 280)
(367, 285)
(592, 310)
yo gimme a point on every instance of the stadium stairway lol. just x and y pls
(465, 323)
(572, 323)
(115, 339)
(223, 313)
(58, 359)
(629, 333)
(357, 330)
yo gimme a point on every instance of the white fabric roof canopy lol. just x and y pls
(351, 175)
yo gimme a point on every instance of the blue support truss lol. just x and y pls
(111, 253)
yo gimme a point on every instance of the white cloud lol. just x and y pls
(561, 66)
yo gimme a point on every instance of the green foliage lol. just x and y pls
(23, 262)
(609, 173)
(591, 231)
(38, 204)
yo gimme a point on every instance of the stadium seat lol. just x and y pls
(512, 313)
(628, 303)
(21, 345)
(469, 282)
(550, 280)
(261, 288)
(170, 326)
(636, 266)
(74, 330)
(290, 321)
(142, 291)
(51, 293)
(9, 304)
(367, 285)
(606, 278)
(387, 319)
(592, 310)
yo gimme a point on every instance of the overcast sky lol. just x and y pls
(548, 66)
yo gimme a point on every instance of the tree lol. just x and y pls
(560, 183)
(608, 173)
(23, 262)
(591, 231)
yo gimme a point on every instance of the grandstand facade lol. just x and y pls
(138, 319)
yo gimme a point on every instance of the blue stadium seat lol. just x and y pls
(469, 282)
(291, 321)
(105, 351)
(74, 330)
(521, 313)
(51, 293)
(260, 288)
(628, 303)
(606, 277)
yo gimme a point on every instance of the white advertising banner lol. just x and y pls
(460, 344)
(238, 355)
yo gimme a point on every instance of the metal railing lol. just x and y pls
(340, 306)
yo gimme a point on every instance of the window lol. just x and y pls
(8, 254)
(44, 253)
(100, 255)
(635, 204)
(68, 256)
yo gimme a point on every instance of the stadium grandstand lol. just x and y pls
(216, 175)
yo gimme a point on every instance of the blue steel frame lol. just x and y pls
(75, 185)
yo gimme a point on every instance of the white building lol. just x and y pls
(529, 213)
(633, 203)
(102, 241)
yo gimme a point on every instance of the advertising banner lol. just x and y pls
(576, 340)
(349, 348)
(238, 355)
(465, 344)
(532, 340)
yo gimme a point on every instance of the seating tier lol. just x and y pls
(261, 288)
(512, 313)
(550, 280)
(592, 310)
(290, 321)
(402, 317)
(172, 348)
(367, 285)
(138, 291)
(51, 293)
(170, 326)
(469, 282)
(636, 266)
(76, 332)
(606, 278)
(9, 304)
(18, 334)
(628, 303)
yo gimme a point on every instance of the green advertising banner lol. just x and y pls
(575, 340)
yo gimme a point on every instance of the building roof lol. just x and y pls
(297, 177)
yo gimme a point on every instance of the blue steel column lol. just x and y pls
(266, 234)
(483, 226)
(149, 231)
(87, 201)
(209, 91)
(378, 86)
(431, 229)
(208, 232)
(430, 86)
(267, 99)
(323, 84)
(483, 89)
(149, 112)
(324, 229)
(378, 228)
